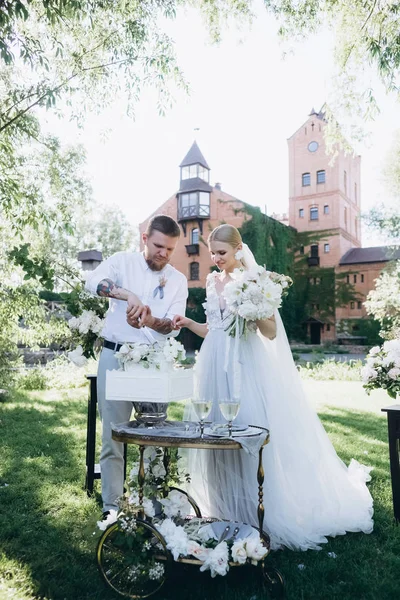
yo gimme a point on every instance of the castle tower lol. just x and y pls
(323, 197)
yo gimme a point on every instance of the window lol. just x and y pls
(314, 213)
(354, 278)
(320, 176)
(326, 209)
(347, 278)
(306, 179)
(204, 204)
(194, 271)
(355, 193)
(328, 327)
(195, 236)
(301, 249)
(194, 204)
(203, 173)
(345, 181)
(359, 304)
(301, 213)
(362, 278)
(327, 248)
(351, 305)
(314, 250)
(345, 216)
(355, 225)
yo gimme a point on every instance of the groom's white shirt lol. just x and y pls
(130, 271)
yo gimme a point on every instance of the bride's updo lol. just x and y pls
(228, 234)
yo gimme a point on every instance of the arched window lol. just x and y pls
(195, 236)
(306, 179)
(194, 271)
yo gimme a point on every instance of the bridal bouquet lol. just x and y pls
(253, 294)
(382, 369)
(150, 355)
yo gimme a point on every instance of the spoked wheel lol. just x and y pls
(191, 501)
(133, 561)
(273, 582)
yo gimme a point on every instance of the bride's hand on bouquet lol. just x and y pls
(178, 322)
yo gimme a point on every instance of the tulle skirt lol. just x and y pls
(309, 493)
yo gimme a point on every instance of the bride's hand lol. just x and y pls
(178, 322)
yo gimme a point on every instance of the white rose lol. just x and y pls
(368, 373)
(374, 350)
(159, 470)
(238, 552)
(73, 323)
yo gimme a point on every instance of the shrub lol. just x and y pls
(332, 370)
(32, 379)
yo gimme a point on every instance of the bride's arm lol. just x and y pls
(267, 327)
(200, 329)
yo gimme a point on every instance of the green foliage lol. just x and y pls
(32, 379)
(332, 370)
(195, 311)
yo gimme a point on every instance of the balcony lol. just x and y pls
(313, 261)
(192, 249)
(187, 213)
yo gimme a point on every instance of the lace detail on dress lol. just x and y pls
(217, 318)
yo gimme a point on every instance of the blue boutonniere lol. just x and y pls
(162, 280)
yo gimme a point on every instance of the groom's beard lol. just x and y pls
(156, 265)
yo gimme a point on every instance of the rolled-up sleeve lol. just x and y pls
(108, 269)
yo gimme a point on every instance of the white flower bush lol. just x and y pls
(252, 295)
(382, 368)
(151, 355)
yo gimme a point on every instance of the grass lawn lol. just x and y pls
(46, 520)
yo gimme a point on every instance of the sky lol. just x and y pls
(245, 101)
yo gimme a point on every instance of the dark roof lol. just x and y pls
(320, 115)
(90, 255)
(370, 255)
(194, 156)
(195, 185)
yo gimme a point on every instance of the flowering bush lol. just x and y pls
(151, 355)
(382, 369)
(253, 294)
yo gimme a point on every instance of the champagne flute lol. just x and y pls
(202, 407)
(229, 408)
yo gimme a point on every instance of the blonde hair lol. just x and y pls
(227, 234)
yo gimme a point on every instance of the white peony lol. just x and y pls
(255, 549)
(175, 536)
(217, 560)
(76, 356)
(374, 350)
(73, 323)
(394, 373)
(368, 373)
(159, 470)
(198, 551)
(176, 504)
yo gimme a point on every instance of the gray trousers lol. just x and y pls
(112, 453)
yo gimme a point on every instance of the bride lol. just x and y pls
(309, 493)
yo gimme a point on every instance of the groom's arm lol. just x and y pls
(164, 326)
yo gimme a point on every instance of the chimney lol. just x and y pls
(218, 186)
(90, 259)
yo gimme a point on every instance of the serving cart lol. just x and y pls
(116, 558)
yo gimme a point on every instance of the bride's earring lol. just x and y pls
(239, 255)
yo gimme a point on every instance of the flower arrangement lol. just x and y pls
(86, 323)
(151, 355)
(382, 369)
(253, 294)
(167, 510)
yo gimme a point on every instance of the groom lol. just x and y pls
(145, 293)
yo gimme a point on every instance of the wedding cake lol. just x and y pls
(150, 374)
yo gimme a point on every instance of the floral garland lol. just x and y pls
(151, 355)
(382, 369)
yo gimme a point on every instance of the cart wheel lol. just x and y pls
(274, 582)
(135, 562)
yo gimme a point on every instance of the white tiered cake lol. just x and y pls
(149, 385)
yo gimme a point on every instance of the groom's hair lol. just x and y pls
(164, 224)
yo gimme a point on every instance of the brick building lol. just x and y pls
(324, 208)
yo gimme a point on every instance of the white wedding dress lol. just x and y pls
(309, 493)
